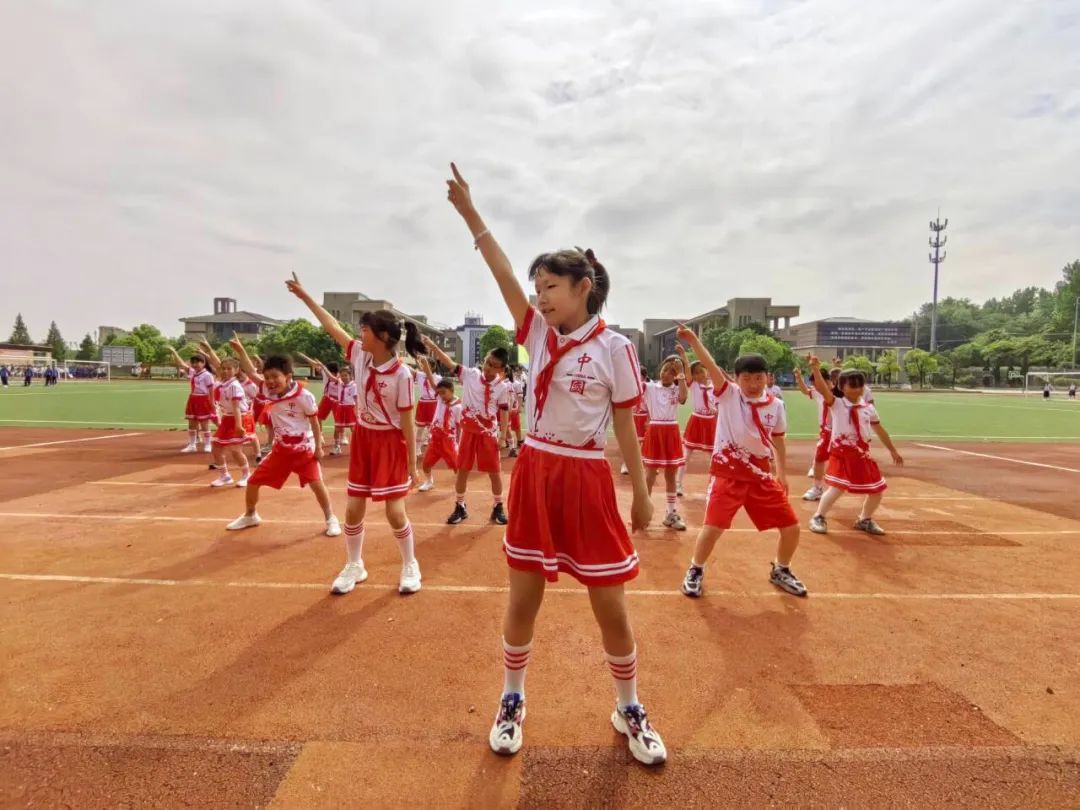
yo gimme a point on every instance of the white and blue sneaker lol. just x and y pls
(691, 584)
(644, 741)
(506, 737)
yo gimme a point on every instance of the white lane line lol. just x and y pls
(999, 458)
(91, 422)
(73, 441)
(322, 586)
(465, 526)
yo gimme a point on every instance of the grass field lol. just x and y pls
(972, 417)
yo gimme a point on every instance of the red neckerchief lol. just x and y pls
(766, 439)
(446, 416)
(854, 411)
(556, 353)
(373, 388)
(270, 403)
(194, 376)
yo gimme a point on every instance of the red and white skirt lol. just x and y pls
(564, 518)
(663, 446)
(378, 465)
(853, 469)
(442, 446)
(326, 407)
(641, 425)
(700, 432)
(344, 416)
(425, 412)
(200, 407)
(229, 433)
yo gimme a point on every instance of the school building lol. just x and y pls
(845, 337)
(659, 333)
(225, 320)
(349, 307)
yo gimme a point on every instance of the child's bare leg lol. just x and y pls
(609, 608)
(669, 489)
(828, 499)
(650, 477)
(789, 541)
(193, 431)
(461, 485)
(704, 545)
(819, 474)
(322, 495)
(519, 621)
(251, 500)
(870, 505)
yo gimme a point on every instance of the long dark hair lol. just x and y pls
(387, 328)
(577, 264)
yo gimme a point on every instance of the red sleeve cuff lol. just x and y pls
(779, 435)
(627, 403)
(526, 325)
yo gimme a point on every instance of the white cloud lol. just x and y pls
(158, 154)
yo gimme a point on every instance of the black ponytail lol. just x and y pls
(414, 344)
(577, 264)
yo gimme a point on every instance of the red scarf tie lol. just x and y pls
(370, 386)
(755, 407)
(446, 418)
(556, 353)
(856, 424)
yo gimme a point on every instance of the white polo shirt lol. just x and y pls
(383, 392)
(662, 402)
(701, 399)
(447, 418)
(349, 393)
(426, 386)
(481, 400)
(822, 411)
(331, 386)
(289, 415)
(202, 382)
(843, 426)
(744, 429)
(597, 372)
(233, 391)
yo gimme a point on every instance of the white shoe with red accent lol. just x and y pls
(643, 740)
(222, 481)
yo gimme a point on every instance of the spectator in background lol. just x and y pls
(28, 376)
(4, 376)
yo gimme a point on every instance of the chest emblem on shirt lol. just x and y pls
(583, 361)
(577, 387)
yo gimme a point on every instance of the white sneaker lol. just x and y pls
(191, 448)
(244, 522)
(673, 521)
(813, 494)
(427, 486)
(678, 491)
(410, 577)
(624, 470)
(333, 527)
(643, 740)
(242, 482)
(335, 450)
(810, 472)
(208, 448)
(222, 480)
(505, 736)
(351, 575)
(344, 441)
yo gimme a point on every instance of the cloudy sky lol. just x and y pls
(156, 154)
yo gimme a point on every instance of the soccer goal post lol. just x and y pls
(1059, 381)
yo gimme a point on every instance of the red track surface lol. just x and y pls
(151, 658)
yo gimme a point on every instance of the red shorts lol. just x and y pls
(442, 447)
(478, 451)
(853, 469)
(230, 434)
(199, 407)
(257, 408)
(662, 447)
(283, 461)
(425, 412)
(564, 517)
(515, 421)
(326, 407)
(764, 501)
(249, 424)
(344, 416)
(378, 465)
(700, 432)
(641, 425)
(821, 449)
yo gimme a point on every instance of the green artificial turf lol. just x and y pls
(938, 415)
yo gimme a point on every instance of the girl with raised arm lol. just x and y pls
(563, 512)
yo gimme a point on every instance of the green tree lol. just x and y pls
(860, 362)
(19, 333)
(88, 350)
(56, 342)
(919, 364)
(887, 365)
(964, 356)
(1066, 293)
(777, 354)
(495, 338)
(301, 335)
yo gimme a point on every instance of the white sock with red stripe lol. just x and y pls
(515, 659)
(460, 498)
(193, 437)
(681, 470)
(498, 499)
(207, 436)
(405, 543)
(672, 499)
(354, 541)
(624, 671)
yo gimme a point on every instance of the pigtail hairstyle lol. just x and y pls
(414, 345)
(577, 264)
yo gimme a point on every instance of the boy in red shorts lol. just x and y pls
(298, 442)
(445, 426)
(747, 466)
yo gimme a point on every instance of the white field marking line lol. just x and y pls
(372, 524)
(92, 422)
(306, 586)
(73, 441)
(127, 390)
(1000, 458)
(1030, 408)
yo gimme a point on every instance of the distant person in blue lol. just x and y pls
(4, 374)
(28, 376)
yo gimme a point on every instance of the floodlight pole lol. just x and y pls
(1076, 315)
(937, 241)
